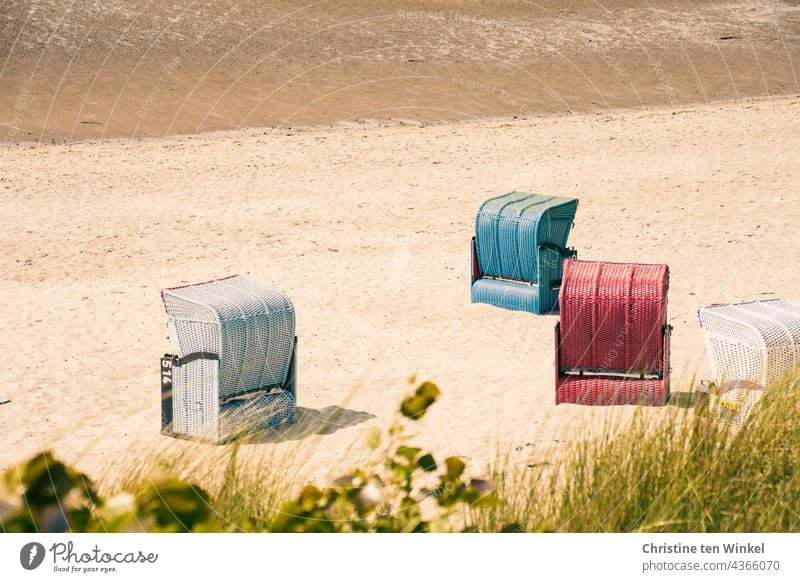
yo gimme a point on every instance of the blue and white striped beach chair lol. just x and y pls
(519, 244)
(235, 370)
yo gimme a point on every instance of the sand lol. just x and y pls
(366, 229)
(122, 68)
(360, 204)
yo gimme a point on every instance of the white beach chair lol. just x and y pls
(732, 403)
(750, 346)
(755, 340)
(235, 371)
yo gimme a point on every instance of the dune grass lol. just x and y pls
(684, 474)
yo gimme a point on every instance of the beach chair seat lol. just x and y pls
(757, 341)
(612, 339)
(519, 245)
(609, 390)
(235, 370)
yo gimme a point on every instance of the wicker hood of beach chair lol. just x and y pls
(519, 244)
(757, 341)
(235, 371)
(612, 340)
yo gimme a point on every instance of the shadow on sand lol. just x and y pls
(311, 421)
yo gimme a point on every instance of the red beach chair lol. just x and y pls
(612, 340)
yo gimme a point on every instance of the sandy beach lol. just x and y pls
(371, 243)
(360, 205)
(125, 68)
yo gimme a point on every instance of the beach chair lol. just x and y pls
(757, 341)
(612, 339)
(730, 404)
(519, 244)
(235, 370)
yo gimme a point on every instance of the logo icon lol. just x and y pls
(31, 555)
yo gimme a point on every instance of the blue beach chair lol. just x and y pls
(519, 244)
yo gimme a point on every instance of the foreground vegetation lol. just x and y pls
(687, 474)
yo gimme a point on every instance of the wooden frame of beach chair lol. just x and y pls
(517, 251)
(235, 372)
(612, 342)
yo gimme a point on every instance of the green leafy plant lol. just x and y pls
(683, 474)
(408, 492)
(48, 496)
